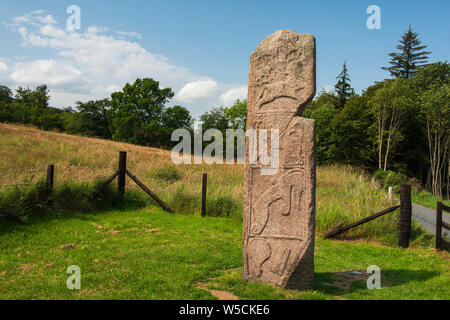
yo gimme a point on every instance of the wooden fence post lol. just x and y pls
(204, 184)
(405, 216)
(439, 226)
(122, 172)
(50, 177)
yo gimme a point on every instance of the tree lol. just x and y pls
(350, 139)
(216, 118)
(94, 118)
(324, 115)
(343, 88)
(435, 105)
(391, 104)
(174, 118)
(432, 84)
(41, 97)
(136, 112)
(323, 97)
(237, 115)
(411, 57)
(5, 95)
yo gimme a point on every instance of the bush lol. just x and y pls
(391, 179)
(23, 203)
(168, 174)
(223, 206)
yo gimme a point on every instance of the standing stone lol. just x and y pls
(279, 213)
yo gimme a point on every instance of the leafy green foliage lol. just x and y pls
(237, 115)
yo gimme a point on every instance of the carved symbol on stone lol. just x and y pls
(259, 251)
(281, 262)
(284, 198)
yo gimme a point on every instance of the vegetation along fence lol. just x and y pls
(441, 243)
(404, 223)
(120, 174)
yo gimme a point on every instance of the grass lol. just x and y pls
(344, 194)
(150, 254)
(427, 199)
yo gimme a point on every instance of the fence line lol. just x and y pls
(405, 201)
(404, 223)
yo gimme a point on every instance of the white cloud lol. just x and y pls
(51, 72)
(3, 66)
(130, 34)
(93, 63)
(197, 90)
(230, 97)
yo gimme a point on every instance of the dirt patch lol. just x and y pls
(68, 246)
(27, 268)
(221, 295)
(152, 230)
(344, 280)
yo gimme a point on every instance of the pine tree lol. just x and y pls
(410, 58)
(343, 87)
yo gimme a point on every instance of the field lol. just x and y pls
(137, 251)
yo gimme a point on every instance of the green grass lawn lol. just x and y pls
(150, 254)
(427, 199)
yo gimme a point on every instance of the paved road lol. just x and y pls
(427, 218)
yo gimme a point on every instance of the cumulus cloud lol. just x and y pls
(3, 66)
(197, 90)
(230, 96)
(51, 72)
(94, 62)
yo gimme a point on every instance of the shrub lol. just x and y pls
(391, 179)
(169, 174)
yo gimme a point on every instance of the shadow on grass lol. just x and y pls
(338, 283)
(20, 208)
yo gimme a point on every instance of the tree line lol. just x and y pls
(137, 114)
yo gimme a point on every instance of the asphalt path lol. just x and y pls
(427, 218)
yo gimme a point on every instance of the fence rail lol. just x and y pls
(404, 223)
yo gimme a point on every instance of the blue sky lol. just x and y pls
(199, 48)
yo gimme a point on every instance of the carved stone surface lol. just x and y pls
(279, 212)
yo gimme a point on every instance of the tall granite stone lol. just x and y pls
(279, 213)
